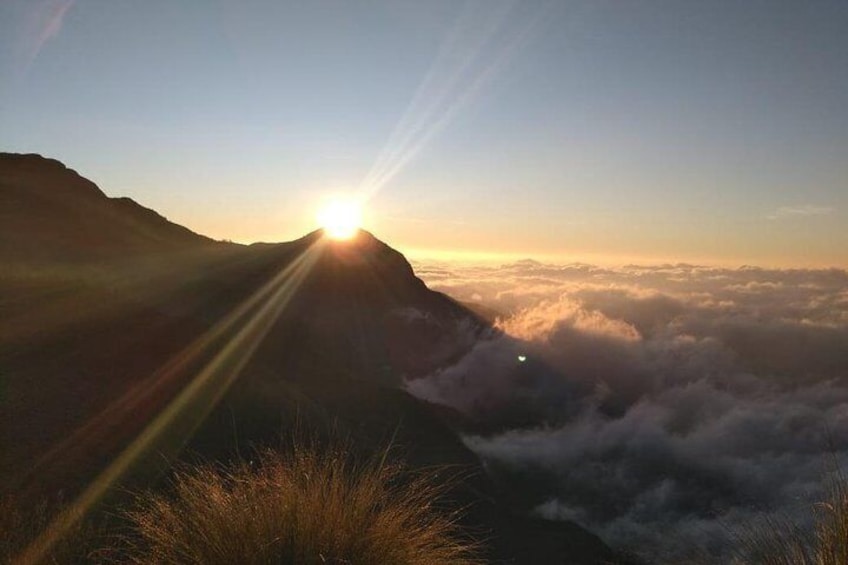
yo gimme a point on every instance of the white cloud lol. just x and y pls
(29, 25)
(658, 404)
(801, 211)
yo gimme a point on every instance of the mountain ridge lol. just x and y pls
(96, 348)
(48, 208)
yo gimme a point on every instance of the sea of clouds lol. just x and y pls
(658, 406)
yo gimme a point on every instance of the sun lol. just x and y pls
(340, 217)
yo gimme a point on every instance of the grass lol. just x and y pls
(777, 540)
(318, 504)
(21, 524)
(312, 505)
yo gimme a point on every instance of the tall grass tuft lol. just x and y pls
(832, 523)
(776, 540)
(311, 505)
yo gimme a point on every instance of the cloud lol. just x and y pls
(785, 212)
(29, 26)
(658, 404)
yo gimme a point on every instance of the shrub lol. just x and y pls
(310, 505)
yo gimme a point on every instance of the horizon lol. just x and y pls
(661, 408)
(466, 257)
(647, 133)
(591, 255)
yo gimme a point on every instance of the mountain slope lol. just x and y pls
(49, 211)
(119, 314)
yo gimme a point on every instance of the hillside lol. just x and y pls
(48, 211)
(115, 318)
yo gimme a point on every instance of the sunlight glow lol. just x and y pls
(340, 217)
(242, 331)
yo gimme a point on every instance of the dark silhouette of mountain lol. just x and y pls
(49, 211)
(116, 321)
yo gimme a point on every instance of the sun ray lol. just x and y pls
(180, 418)
(472, 55)
(133, 400)
(340, 217)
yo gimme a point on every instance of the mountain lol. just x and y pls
(49, 211)
(118, 322)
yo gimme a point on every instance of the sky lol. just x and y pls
(713, 132)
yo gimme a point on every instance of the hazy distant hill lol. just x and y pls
(116, 311)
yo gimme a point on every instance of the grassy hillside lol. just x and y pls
(312, 503)
(131, 345)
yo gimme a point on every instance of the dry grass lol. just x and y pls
(779, 541)
(311, 505)
(832, 524)
(21, 525)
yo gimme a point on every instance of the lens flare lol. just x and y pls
(340, 217)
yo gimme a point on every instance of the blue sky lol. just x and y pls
(654, 130)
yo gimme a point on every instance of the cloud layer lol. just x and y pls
(800, 211)
(657, 405)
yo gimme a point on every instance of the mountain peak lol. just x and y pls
(50, 211)
(52, 174)
(315, 330)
